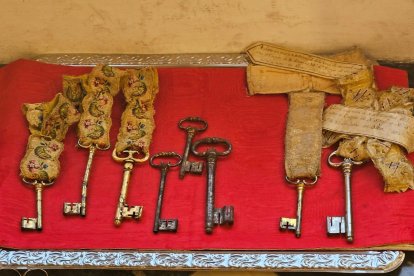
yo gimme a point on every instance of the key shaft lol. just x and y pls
(347, 169)
(186, 165)
(210, 195)
(300, 188)
(164, 170)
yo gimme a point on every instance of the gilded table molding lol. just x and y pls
(141, 60)
(364, 261)
(316, 261)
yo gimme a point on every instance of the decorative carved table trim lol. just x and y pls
(160, 60)
(364, 261)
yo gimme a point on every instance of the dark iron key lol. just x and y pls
(191, 166)
(214, 216)
(169, 225)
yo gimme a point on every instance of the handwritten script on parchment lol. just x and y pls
(392, 127)
(274, 56)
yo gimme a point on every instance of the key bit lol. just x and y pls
(30, 224)
(123, 210)
(166, 225)
(169, 225)
(214, 216)
(287, 223)
(224, 215)
(189, 166)
(193, 167)
(72, 208)
(335, 225)
(134, 212)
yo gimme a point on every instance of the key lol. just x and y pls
(160, 224)
(35, 223)
(79, 208)
(189, 166)
(343, 225)
(214, 216)
(123, 210)
(295, 224)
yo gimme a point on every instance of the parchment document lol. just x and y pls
(392, 127)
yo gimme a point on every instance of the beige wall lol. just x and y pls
(383, 28)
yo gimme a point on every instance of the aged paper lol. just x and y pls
(274, 56)
(392, 127)
(268, 80)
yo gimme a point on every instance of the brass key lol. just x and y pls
(123, 210)
(170, 225)
(343, 225)
(295, 224)
(79, 208)
(214, 216)
(35, 223)
(191, 166)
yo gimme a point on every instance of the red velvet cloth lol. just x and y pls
(386, 77)
(251, 178)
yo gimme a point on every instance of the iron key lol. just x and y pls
(191, 166)
(343, 225)
(170, 225)
(214, 216)
(295, 224)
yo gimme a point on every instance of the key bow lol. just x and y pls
(203, 123)
(212, 141)
(130, 156)
(344, 162)
(165, 155)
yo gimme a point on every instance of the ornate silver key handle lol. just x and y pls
(79, 208)
(343, 225)
(295, 224)
(123, 210)
(35, 223)
(214, 216)
(191, 125)
(160, 224)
